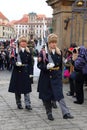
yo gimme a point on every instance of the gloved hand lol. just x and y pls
(50, 65)
(30, 76)
(65, 61)
(18, 64)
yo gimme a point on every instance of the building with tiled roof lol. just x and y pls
(33, 24)
(6, 29)
(23, 20)
(40, 16)
(3, 19)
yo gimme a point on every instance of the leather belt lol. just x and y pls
(25, 65)
(55, 68)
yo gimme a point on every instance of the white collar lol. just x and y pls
(22, 49)
(53, 51)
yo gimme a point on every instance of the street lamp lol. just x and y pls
(80, 3)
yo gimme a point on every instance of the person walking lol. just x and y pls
(43, 52)
(50, 79)
(20, 82)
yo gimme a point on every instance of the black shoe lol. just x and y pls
(76, 102)
(50, 116)
(20, 107)
(54, 105)
(28, 107)
(68, 116)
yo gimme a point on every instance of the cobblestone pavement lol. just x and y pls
(13, 119)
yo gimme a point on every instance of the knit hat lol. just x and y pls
(52, 38)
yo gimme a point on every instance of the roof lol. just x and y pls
(2, 16)
(41, 16)
(25, 19)
(5, 24)
(22, 20)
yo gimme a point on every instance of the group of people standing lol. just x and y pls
(49, 87)
(75, 63)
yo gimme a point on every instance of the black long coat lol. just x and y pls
(20, 81)
(50, 82)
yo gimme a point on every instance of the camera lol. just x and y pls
(76, 50)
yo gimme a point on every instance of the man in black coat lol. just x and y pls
(50, 79)
(20, 82)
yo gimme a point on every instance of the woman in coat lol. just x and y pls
(80, 66)
(50, 79)
(20, 82)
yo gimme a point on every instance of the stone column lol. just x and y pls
(62, 12)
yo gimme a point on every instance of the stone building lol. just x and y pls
(6, 29)
(33, 25)
(62, 23)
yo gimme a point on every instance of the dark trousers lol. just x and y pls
(72, 86)
(48, 107)
(79, 87)
(18, 98)
(85, 79)
(26, 99)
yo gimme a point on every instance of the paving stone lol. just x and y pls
(13, 119)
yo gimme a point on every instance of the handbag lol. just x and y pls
(66, 73)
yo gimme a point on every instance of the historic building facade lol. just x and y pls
(33, 25)
(6, 30)
(62, 19)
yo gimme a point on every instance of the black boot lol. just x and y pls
(28, 107)
(50, 116)
(19, 106)
(54, 105)
(48, 108)
(18, 101)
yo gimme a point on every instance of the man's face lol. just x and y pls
(52, 45)
(23, 44)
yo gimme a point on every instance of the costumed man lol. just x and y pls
(50, 79)
(20, 82)
(43, 53)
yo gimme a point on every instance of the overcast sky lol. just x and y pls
(14, 9)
